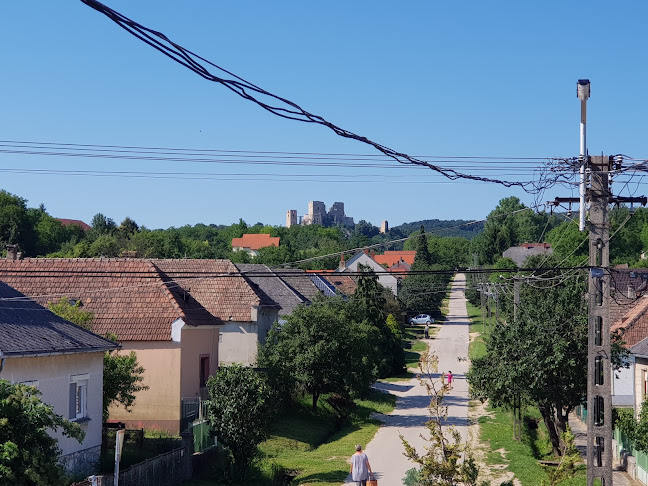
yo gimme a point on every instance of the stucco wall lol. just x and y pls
(53, 375)
(160, 404)
(197, 342)
(641, 373)
(238, 343)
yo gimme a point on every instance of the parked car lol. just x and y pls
(421, 319)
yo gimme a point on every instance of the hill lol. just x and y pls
(441, 227)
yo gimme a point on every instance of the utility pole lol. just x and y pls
(599, 364)
(599, 376)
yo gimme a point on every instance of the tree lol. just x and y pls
(102, 225)
(442, 463)
(28, 454)
(240, 412)
(369, 304)
(541, 356)
(321, 349)
(123, 377)
(127, 228)
(72, 312)
(15, 225)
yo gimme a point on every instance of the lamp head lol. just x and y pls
(583, 89)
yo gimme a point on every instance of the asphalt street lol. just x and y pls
(385, 451)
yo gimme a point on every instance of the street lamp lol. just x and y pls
(583, 93)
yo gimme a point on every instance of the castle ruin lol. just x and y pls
(317, 214)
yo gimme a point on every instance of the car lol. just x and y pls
(421, 319)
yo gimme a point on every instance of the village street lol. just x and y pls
(385, 451)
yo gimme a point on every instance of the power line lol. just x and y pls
(283, 107)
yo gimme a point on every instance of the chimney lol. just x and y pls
(373, 253)
(13, 253)
(342, 265)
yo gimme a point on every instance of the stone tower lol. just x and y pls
(291, 217)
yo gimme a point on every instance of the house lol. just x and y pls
(252, 243)
(244, 311)
(385, 278)
(176, 339)
(64, 361)
(393, 258)
(273, 286)
(521, 252)
(75, 222)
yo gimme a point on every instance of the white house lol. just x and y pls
(62, 360)
(385, 278)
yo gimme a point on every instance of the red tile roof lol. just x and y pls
(77, 222)
(255, 241)
(216, 284)
(391, 258)
(135, 298)
(634, 324)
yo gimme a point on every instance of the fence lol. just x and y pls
(623, 448)
(192, 409)
(167, 469)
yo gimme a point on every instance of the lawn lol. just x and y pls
(521, 457)
(478, 345)
(310, 443)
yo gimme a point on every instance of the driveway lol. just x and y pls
(385, 451)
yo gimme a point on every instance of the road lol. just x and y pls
(385, 451)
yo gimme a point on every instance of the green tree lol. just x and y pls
(102, 225)
(240, 412)
(72, 312)
(28, 454)
(540, 357)
(123, 377)
(369, 304)
(15, 225)
(128, 227)
(321, 349)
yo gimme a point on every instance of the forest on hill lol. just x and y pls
(452, 244)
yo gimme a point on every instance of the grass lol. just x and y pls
(308, 442)
(496, 429)
(521, 456)
(477, 347)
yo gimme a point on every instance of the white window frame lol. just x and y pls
(79, 397)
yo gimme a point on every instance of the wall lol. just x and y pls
(53, 376)
(196, 342)
(159, 406)
(641, 373)
(238, 343)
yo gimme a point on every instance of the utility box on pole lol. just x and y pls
(599, 375)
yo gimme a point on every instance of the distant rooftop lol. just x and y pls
(255, 241)
(76, 222)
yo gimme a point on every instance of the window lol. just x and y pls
(79, 397)
(204, 370)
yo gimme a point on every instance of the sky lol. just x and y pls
(437, 80)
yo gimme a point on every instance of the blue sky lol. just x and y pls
(494, 79)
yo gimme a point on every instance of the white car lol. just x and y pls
(421, 319)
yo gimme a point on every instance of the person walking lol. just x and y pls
(360, 467)
(427, 331)
(450, 380)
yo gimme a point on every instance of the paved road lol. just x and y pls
(385, 451)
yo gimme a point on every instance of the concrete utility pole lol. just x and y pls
(599, 369)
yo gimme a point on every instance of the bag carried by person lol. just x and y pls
(372, 481)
